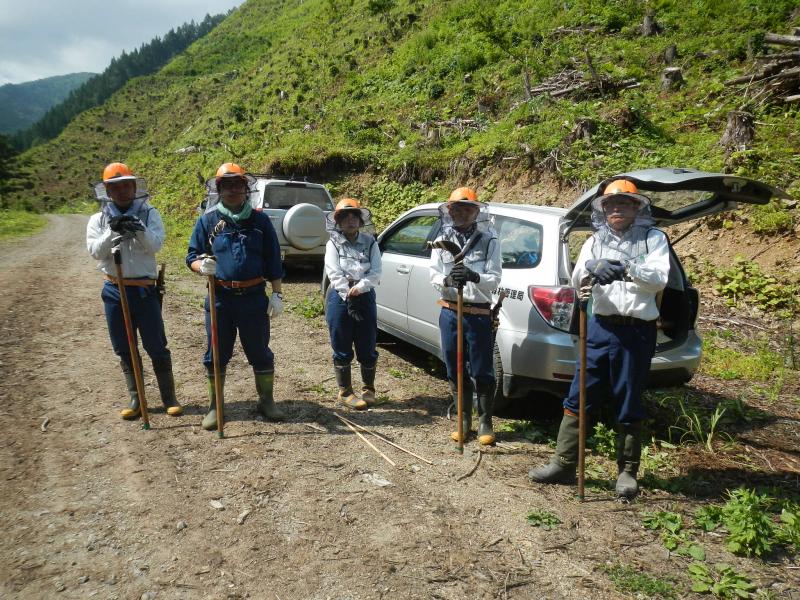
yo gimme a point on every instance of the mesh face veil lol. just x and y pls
(624, 189)
(230, 171)
(117, 173)
(348, 205)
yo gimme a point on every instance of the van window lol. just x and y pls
(411, 236)
(520, 242)
(287, 196)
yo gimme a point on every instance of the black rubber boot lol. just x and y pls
(133, 410)
(166, 386)
(564, 463)
(368, 385)
(346, 395)
(466, 416)
(485, 411)
(629, 451)
(210, 420)
(266, 407)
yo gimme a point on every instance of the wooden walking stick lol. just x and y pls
(133, 348)
(583, 303)
(460, 366)
(212, 307)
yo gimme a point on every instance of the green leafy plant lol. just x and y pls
(544, 519)
(309, 307)
(397, 373)
(603, 441)
(675, 539)
(745, 515)
(722, 581)
(743, 281)
(630, 580)
(529, 430)
(788, 533)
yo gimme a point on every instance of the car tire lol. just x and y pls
(500, 401)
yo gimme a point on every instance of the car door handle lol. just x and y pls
(403, 269)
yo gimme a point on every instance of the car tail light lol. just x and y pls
(555, 304)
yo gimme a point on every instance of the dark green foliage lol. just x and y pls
(22, 104)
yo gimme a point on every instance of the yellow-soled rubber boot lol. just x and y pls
(346, 396)
(133, 410)
(166, 386)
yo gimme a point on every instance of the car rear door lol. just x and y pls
(679, 195)
(403, 253)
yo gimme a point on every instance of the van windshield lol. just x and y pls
(289, 195)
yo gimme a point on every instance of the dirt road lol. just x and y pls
(92, 506)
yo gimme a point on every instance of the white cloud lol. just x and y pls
(41, 38)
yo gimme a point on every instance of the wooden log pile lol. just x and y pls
(776, 76)
(575, 83)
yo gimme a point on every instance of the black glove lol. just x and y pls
(356, 308)
(606, 270)
(125, 223)
(461, 274)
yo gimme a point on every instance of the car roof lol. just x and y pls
(298, 182)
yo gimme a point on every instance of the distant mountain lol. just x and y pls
(22, 104)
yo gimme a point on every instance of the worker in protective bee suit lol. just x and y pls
(238, 246)
(353, 266)
(127, 219)
(621, 267)
(467, 223)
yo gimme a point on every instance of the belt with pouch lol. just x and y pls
(132, 282)
(240, 287)
(469, 308)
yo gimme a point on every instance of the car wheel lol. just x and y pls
(500, 401)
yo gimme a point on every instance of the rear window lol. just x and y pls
(287, 196)
(520, 242)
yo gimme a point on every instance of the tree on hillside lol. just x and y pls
(146, 59)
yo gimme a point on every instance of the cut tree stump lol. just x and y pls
(671, 79)
(739, 132)
(649, 25)
(670, 54)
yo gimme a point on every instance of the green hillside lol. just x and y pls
(420, 93)
(22, 104)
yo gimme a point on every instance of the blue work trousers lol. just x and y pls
(247, 314)
(145, 319)
(617, 364)
(478, 346)
(347, 332)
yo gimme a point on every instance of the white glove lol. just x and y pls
(585, 293)
(275, 305)
(208, 266)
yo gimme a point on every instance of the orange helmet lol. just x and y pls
(620, 187)
(346, 203)
(230, 170)
(117, 171)
(463, 194)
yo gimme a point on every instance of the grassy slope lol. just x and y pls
(354, 90)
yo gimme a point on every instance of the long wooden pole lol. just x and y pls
(460, 367)
(133, 347)
(582, 403)
(212, 308)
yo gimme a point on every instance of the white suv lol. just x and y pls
(535, 347)
(297, 210)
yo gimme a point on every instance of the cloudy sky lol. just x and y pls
(41, 38)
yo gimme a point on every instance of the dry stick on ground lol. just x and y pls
(473, 469)
(365, 440)
(391, 443)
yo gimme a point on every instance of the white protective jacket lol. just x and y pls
(645, 253)
(483, 258)
(357, 263)
(138, 253)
